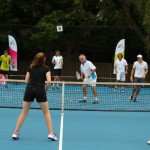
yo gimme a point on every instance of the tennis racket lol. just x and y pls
(122, 76)
(78, 75)
(61, 62)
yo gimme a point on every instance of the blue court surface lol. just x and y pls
(83, 130)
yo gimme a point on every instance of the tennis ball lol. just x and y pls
(148, 142)
(71, 101)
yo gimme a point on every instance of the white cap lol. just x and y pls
(139, 56)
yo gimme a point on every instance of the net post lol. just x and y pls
(62, 117)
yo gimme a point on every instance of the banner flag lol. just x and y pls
(120, 48)
(13, 52)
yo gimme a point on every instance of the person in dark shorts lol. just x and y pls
(35, 89)
(139, 71)
(5, 65)
(57, 60)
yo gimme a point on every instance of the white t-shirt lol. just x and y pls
(121, 64)
(139, 68)
(87, 68)
(59, 62)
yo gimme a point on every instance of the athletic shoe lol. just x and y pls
(53, 87)
(95, 102)
(130, 98)
(57, 87)
(6, 86)
(148, 142)
(15, 136)
(115, 90)
(134, 100)
(122, 90)
(52, 136)
(83, 101)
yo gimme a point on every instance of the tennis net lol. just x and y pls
(12, 97)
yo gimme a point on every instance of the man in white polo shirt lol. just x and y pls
(89, 76)
(121, 69)
(139, 71)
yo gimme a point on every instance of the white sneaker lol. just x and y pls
(122, 90)
(82, 101)
(130, 98)
(52, 136)
(148, 142)
(115, 89)
(15, 136)
(53, 87)
(95, 100)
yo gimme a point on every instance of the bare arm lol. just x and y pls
(126, 69)
(82, 75)
(53, 61)
(116, 69)
(93, 70)
(10, 62)
(27, 77)
(146, 71)
(132, 74)
(48, 78)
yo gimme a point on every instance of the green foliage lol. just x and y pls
(146, 19)
(45, 31)
(35, 21)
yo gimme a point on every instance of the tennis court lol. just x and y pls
(115, 123)
(82, 130)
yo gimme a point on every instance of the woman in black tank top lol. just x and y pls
(35, 80)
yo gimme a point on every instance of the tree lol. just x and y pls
(84, 21)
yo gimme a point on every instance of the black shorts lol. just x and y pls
(138, 80)
(4, 72)
(32, 93)
(57, 72)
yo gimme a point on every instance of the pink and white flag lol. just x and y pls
(13, 53)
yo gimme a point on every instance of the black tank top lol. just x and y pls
(38, 76)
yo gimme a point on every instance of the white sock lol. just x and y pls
(85, 97)
(96, 98)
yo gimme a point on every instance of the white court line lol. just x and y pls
(62, 119)
(61, 131)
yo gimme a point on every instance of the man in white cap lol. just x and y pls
(139, 71)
